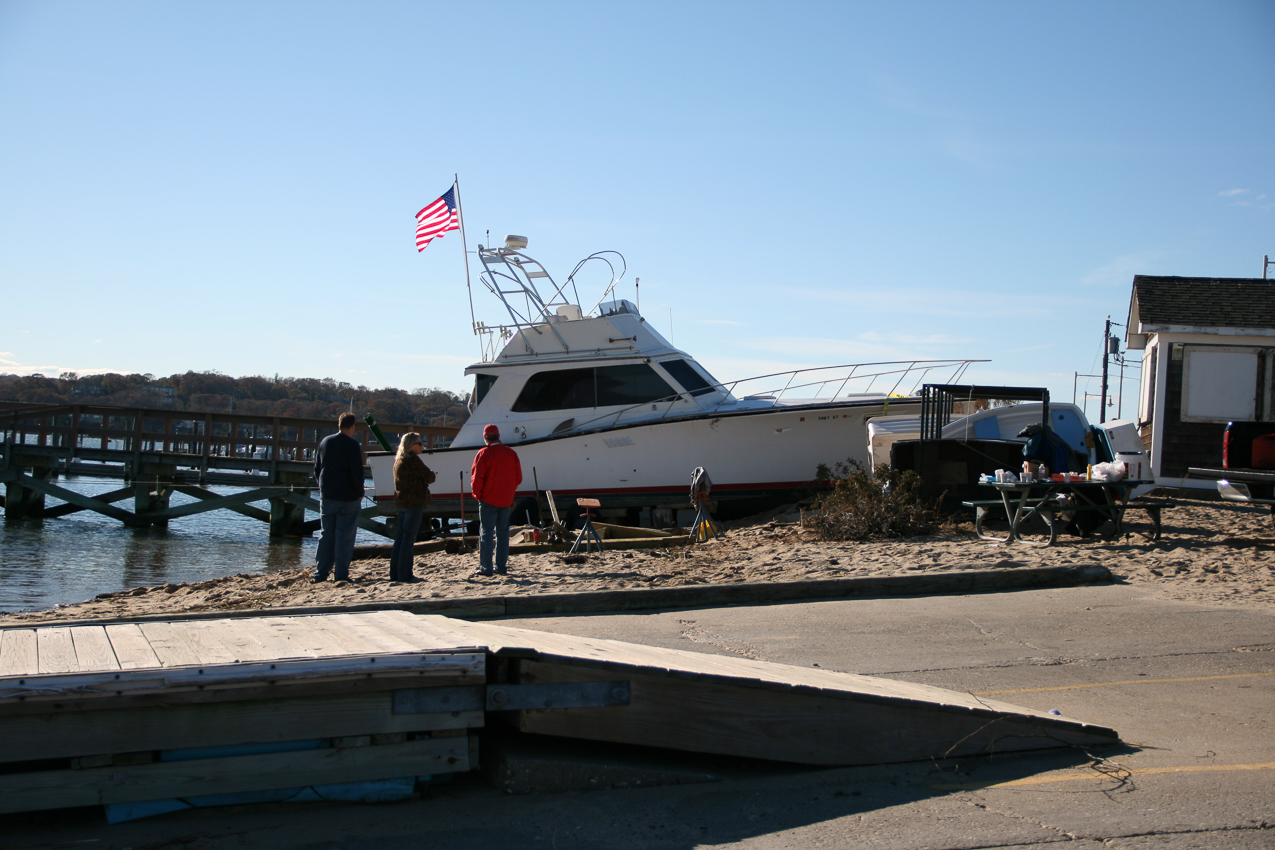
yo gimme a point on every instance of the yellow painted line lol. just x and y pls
(1112, 684)
(1094, 774)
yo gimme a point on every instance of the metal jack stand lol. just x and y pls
(588, 534)
(704, 527)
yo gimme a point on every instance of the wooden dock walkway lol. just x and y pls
(94, 714)
(109, 701)
(158, 452)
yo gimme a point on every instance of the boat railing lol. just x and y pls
(511, 276)
(888, 378)
(902, 378)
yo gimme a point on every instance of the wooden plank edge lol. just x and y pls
(56, 789)
(243, 674)
(181, 726)
(986, 709)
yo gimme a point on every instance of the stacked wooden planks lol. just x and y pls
(95, 714)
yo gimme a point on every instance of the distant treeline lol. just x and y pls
(213, 392)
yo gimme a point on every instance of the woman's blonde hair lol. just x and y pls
(405, 444)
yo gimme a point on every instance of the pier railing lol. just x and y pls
(85, 434)
(158, 451)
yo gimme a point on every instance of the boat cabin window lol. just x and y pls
(482, 385)
(686, 375)
(604, 386)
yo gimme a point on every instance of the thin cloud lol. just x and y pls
(15, 367)
(1120, 271)
(900, 97)
(950, 304)
(1240, 199)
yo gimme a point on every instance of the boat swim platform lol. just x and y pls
(93, 715)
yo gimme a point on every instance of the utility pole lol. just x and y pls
(1106, 347)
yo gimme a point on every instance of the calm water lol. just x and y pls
(76, 557)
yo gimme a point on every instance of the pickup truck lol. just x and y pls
(1247, 473)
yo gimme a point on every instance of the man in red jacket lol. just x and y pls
(493, 480)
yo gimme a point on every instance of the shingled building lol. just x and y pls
(1208, 357)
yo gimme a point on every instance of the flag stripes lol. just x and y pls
(436, 219)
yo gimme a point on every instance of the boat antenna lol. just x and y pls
(637, 293)
(460, 214)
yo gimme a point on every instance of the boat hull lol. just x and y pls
(755, 459)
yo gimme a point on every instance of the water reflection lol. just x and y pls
(73, 558)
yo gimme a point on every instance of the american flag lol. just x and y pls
(436, 219)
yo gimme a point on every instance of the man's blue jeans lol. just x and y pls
(340, 522)
(493, 536)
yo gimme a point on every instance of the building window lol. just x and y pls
(1219, 383)
(1146, 399)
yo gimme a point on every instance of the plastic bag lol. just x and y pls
(1108, 472)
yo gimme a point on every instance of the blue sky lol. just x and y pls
(231, 186)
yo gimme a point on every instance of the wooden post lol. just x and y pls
(275, 441)
(287, 519)
(148, 498)
(153, 496)
(21, 502)
(73, 439)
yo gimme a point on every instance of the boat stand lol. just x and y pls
(704, 527)
(588, 534)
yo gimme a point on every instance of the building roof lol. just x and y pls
(1201, 304)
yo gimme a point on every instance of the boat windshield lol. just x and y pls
(602, 386)
(687, 375)
(482, 386)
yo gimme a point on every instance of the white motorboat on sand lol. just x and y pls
(598, 404)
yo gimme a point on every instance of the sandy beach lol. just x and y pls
(1207, 553)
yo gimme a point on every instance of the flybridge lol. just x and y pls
(512, 277)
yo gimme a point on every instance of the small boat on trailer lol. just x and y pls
(598, 404)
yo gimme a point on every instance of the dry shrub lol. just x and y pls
(864, 507)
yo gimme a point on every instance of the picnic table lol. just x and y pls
(1022, 500)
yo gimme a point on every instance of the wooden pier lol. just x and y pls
(95, 714)
(121, 713)
(158, 452)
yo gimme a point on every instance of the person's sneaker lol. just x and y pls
(481, 572)
(318, 579)
(502, 572)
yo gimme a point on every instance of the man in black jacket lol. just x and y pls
(338, 467)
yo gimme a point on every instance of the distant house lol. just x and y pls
(1208, 356)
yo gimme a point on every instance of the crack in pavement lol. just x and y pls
(986, 633)
(1106, 840)
(1060, 660)
(695, 634)
(1070, 836)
